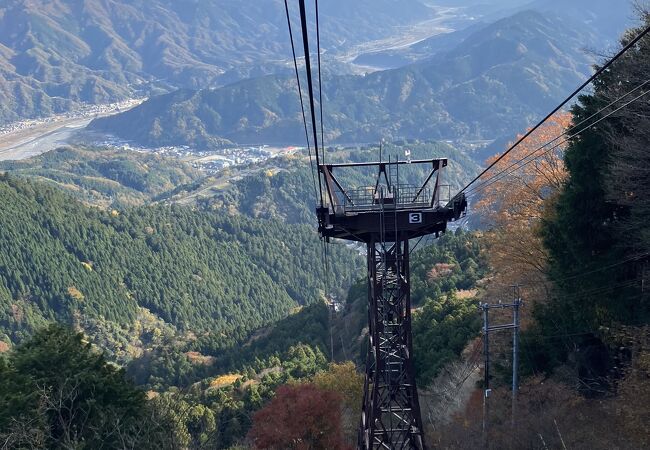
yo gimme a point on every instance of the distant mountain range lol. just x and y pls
(599, 18)
(494, 82)
(56, 53)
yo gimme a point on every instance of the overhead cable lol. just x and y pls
(494, 180)
(597, 74)
(302, 104)
(310, 86)
(320, 82)
(564, 133)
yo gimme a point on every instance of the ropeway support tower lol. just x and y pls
(385, 216)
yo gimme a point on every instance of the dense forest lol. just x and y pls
(181, 297)
(210, 308)
(213, 277)
(58, 392)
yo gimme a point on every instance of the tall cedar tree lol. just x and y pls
(594, 265)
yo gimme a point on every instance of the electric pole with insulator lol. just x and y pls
(487, 328)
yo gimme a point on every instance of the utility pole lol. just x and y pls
(515, 351)
(486, 370)
(332, 309)
(485, 309)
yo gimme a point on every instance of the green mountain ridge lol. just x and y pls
(104, 176)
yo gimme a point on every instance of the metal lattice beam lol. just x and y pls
(385, 217)
(391, 412)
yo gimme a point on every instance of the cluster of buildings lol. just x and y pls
(182, 151)
(210, 161)
(215, 161)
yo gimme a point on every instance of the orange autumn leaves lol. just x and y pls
(515, 202)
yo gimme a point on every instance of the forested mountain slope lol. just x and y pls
(104, 176)
(496, 81)
(210, 275)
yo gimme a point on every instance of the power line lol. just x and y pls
(495, 179)
(600, 269)
(561, 105)
(564, 133)
(426, 243)
(416, 245)
(302, 104)
(601, 290)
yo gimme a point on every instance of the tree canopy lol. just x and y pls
(57, 392)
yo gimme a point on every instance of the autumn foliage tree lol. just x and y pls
(344, 380)
(515, 201)
(595, 236)
(300, 417)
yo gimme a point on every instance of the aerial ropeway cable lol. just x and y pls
(569, 138)
(302, 103)
(591, 79)
(532, 156)
(320, 80)
(319, 191)
(310, 89)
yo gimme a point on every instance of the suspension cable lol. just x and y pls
(479, 188)
(310, 86)
(320, 83)
(302, 104)
(597, 74)
(564, 133)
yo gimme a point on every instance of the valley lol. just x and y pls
(25, 139)
(168, 276)
(450, 96)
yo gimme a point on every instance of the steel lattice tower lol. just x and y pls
(385, 217)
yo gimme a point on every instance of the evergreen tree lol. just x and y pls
(593, 262)
(57, 392)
